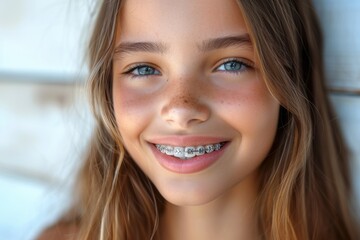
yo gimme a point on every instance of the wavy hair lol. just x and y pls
(305, 189)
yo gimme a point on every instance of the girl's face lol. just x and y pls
(186, 83)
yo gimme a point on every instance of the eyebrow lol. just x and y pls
(128, 47)
(206, 45)
(224, 42)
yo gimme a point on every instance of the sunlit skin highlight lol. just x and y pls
(203, 81)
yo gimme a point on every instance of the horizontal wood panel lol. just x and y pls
(348, 114)
(44, 128)
(340, 21)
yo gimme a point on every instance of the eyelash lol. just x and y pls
(243, 64)
(139, 66)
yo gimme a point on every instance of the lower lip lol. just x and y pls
(192, 165)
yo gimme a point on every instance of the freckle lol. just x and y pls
(184, 100)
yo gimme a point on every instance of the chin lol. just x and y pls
(191, 194)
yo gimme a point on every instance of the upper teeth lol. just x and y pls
(188, 152)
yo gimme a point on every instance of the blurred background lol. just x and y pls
(44, 118)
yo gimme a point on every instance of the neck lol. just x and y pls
(229, 217)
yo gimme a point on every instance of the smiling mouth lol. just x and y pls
(189, 152)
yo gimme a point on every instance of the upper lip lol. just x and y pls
(177, 140)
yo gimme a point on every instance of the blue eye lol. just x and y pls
(233, 66)
(143, 70)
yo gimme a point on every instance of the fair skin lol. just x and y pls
(185, 74)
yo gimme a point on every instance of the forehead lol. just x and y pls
(174, 20)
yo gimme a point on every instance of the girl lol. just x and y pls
(212, 123)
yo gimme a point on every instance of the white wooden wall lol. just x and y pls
(43, 129)
(341, 25)
(44, 125)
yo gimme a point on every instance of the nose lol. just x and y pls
(184, 110)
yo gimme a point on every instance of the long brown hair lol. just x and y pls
(305, 189)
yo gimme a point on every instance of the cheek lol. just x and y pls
(252, 112)
(250, 109)
(132, 110)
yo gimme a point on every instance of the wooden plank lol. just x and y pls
(348, 113)
(340, 21)
(44, 128)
